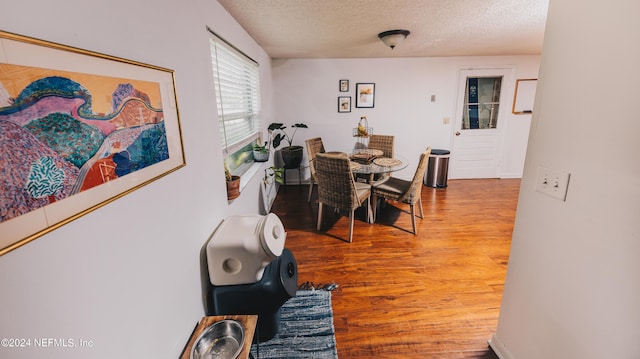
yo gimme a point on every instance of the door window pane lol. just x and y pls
(481, 103)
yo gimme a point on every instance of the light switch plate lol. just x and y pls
(553, 183)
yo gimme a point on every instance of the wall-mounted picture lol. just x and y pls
(523, 97)
(78, 130)
(344, 104)
(365, 94)
(344, 85)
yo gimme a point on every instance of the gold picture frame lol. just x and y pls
(78, 130)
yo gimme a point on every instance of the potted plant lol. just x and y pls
(272, 174)
(233, 184)
(291, 155)
(261, 152)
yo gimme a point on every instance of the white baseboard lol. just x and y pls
(511, 175)
(499, 348)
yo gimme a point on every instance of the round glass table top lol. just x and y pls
(376, 165)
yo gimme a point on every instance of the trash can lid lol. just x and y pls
(439, 152)
(272, 235)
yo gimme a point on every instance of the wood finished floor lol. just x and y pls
(434, 295)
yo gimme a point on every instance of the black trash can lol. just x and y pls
(437, 169)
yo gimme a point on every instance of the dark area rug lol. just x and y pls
(306, 329)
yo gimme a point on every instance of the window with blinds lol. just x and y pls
(237, 86)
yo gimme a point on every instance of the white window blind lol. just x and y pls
(236, 79)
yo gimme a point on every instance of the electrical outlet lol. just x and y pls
(553, 183)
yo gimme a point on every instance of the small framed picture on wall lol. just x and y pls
(344, 104)
(344, 85)
(365, 94)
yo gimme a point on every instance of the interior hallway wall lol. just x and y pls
(573, 281)
(126, 276)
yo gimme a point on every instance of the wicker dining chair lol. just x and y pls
(383, 143)
(403, 191)
(314, 146)
(337, 187)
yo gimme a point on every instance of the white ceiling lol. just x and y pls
(349, 28)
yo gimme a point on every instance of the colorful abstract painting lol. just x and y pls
(64, 132)
(53, 144)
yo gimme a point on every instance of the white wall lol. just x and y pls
(306, 90)
(573, 286)
(126, 276)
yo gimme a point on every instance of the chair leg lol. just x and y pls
(374, 204)
(420, 207)
(319, 215)
(413, 219)
(310, 191)
(370, 216)
(351, 215)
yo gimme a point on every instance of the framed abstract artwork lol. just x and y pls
(78, 130)
(344, 104)
(344, 86)
(365, 94)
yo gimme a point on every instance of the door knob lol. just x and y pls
(457, 133)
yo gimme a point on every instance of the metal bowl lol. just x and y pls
(220, 340)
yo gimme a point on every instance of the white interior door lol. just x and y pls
(481, 108)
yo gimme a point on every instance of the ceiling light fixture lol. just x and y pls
(392, 37)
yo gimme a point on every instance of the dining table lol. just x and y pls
(370, 162)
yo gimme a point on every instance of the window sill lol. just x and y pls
(249, 171)
(248, 175)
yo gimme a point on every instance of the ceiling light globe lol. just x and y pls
(391, 38)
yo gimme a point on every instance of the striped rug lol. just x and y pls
(306, 329)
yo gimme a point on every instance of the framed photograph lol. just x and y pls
(344, 104)
(78, 130)
(344, 85)
(365, 94)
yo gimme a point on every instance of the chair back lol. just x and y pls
(314, 146)
(383, 143)
(415, 189)
(336, 185)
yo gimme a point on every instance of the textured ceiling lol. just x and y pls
(349, 28)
